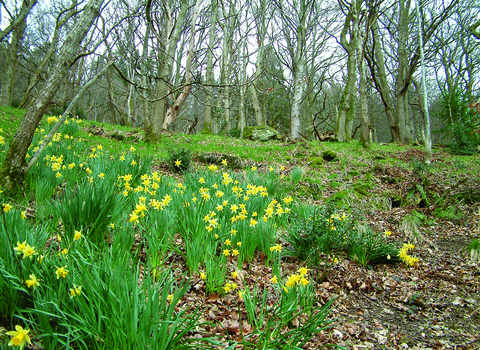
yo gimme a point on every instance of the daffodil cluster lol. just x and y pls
(403, 254)
(25, 249)
(297, 279)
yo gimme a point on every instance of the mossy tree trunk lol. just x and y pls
(347, 103)
(13, 170)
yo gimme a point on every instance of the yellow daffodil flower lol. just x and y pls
(19, 337)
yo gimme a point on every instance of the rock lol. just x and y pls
(260, 133)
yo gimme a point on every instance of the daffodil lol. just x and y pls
(203, 276)
(28, 252)
(235, 252)
(234, 274)
(32, 282)
(61, 272)
(75, 291)
(178, 162)
(7, 207)
(20, 247)
(274, 279)
(302, 271)
(19, 337)
(77, 235)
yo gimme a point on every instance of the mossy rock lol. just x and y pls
(329, 156)
(360, 189)
(316, 162)
(233, 162)
(260, 133)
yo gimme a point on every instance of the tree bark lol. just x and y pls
(13, 171)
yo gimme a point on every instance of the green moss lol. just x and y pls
(207, 129)
(329, 156)
(316, 162)
(288, 158)
(360, 189)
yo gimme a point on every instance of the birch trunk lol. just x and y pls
(13, 171)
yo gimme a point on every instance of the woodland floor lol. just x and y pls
(433, 305)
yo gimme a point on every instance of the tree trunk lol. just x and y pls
(365, 130)
(13, 171)
(11, 62)
(347, 103)
(255, 102)
(381, 83)
(174, 109)
(298, 74)
(402, 79)
(207, 124)
(154, 124)
(424, 100)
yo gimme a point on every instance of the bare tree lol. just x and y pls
(13, 169)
